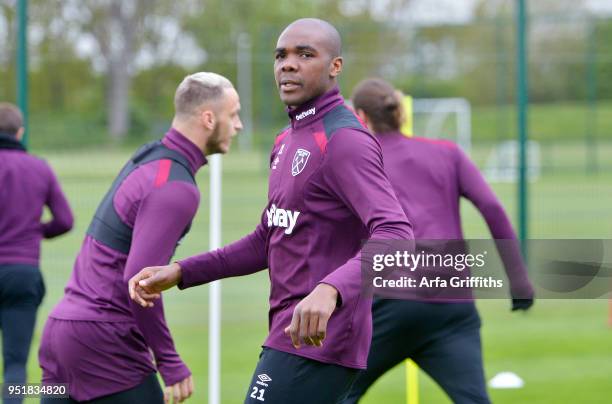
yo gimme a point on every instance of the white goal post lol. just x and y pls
(448, 118)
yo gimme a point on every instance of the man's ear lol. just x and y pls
(19, 134)
(208, 119)
(362, 115)
(364, 118)
(335, 67)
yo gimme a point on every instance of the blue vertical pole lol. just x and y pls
(522, 106)
(22, 64)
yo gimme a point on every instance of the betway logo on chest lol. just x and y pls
(304, 114)
(283, 218)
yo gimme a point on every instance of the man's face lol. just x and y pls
(303, 66)
(228, 123)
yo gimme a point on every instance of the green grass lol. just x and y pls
(562, 349)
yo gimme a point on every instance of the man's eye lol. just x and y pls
(306, 55)
(279, 56)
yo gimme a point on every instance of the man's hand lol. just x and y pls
(179, 392)
(147, 284)
(521, 304)
(310, 316)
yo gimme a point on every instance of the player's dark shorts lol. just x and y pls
(442, 338)
(282, 378)
(21, 292)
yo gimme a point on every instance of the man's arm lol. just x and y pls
(474, 187)
(62, 219)
(161, 219)
(243, 257)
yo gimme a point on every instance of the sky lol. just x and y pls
(600, 6)
(432, 12)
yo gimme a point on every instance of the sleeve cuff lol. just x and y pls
(174, 374)
(193, 271)
(522, 290)
(338, 285)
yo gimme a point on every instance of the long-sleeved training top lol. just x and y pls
(158, 209)
(327, 194)
(430, 177)
(27, 185)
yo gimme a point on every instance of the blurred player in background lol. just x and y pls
(27, 185)
(327, 193)
(429, 178)
(97, 339)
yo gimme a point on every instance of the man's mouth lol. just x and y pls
(289, 85)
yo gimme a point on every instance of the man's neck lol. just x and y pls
(10, 142)
(327, 90)
(191, 133)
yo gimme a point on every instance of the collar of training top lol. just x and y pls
(314, 109)
(9, 142)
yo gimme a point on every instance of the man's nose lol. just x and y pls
(289, 64)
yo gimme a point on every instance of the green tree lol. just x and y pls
(117, 37)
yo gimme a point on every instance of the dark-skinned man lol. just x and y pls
(327, 193)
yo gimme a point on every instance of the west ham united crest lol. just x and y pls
(299, 161)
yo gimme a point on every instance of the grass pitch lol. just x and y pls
(562, 349)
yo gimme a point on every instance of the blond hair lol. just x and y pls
(197, 89)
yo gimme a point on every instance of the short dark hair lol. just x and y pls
(11, 119)
(381, 103)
